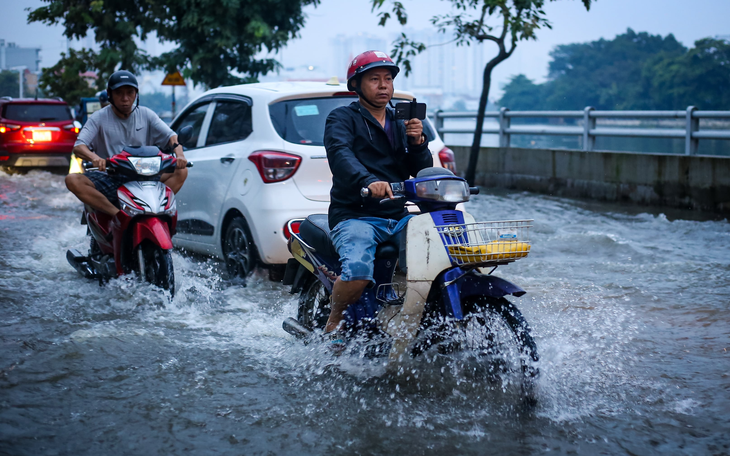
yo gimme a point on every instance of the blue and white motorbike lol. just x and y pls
(443, 298)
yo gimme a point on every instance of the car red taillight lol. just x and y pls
(275, 166)
(72, 128)
(446, 156)
(294, 229)
(4, 127)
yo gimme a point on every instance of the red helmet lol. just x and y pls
(367, 61)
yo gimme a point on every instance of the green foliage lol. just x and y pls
(214, 37)
(114, 23)
(699, 77)
(632, 71)
(63, 79)
(9, 84)
(521, 94)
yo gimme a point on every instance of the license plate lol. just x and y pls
(41, 135)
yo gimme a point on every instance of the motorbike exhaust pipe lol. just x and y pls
(295, 328)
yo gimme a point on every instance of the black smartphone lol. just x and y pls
(412, 110)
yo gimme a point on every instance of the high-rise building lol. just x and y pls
(345, 48)
(455, 70)
(11, 55)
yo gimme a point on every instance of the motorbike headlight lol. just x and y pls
(146, 166)
(447, 190)
(129, 209)
(172, 209)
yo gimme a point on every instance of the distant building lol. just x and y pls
(455, 70)
(90, 77)
(345, 48)
(441, 74)
(11, 55)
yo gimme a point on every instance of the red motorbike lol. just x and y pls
(139, 237)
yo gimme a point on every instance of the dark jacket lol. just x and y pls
(359, 153)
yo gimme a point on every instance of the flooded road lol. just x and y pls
(630, 310)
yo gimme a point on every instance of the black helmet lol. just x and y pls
(121, 78)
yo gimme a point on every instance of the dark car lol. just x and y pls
(36, 133)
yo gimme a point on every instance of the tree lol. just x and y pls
(605, 74)
(518, 19)
(9, 84)
(633, 71)
(214, 38)
(699, 77)
(521, 94)
(64, 78)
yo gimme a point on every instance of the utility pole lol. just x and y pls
(20, 70)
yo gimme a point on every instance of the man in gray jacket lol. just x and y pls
(107, 132)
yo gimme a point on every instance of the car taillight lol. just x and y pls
(72, 128)
(294, 229)
(446, 156)
(275, 166)
(8, 127)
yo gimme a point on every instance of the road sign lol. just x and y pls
(173, 79)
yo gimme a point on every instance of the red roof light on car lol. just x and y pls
(275, 166)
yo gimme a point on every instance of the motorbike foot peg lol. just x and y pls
(295, 328)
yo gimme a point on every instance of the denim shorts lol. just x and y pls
(356, 240)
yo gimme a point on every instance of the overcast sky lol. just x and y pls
(687, 20)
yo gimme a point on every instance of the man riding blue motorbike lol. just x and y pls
(367, 147)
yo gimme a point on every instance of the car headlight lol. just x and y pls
(447, 190)
(146, 166)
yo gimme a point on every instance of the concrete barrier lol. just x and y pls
(694, 182)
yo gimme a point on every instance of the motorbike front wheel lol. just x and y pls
(314, 305)
(492, 328)
(154, 265)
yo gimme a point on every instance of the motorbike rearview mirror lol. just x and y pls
(184, 135)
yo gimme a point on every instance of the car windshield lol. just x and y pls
(23, 112)
(302, 121)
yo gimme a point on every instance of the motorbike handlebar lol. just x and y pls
(88, 166)
(396, 188)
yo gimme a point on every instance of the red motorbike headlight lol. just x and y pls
(275, 166)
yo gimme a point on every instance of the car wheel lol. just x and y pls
(239, 250)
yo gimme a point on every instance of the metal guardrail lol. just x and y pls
(691, 133)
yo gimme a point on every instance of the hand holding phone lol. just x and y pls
(412, 110)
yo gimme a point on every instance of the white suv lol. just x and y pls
(260, 162)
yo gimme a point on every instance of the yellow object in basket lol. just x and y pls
(495, 250)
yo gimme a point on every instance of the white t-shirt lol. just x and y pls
(107, 134)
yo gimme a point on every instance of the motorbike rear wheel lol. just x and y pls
(156, 266)
(314, 305)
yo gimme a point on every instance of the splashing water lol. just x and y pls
(629, 311)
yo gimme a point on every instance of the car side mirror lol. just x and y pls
(184, 135)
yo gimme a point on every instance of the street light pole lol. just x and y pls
(20, 70)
